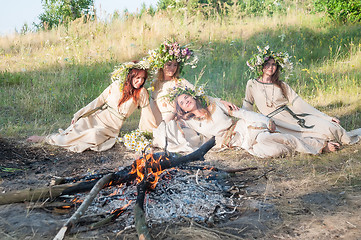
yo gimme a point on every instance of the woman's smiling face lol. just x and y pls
(170, 68)
(186, 103)
(138, 80)
(270, 67)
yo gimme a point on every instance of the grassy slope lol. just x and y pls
(47, 76)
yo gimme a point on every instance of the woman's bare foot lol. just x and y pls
(331, 147)
(35, 139)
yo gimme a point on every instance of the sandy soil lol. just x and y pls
(278, 201)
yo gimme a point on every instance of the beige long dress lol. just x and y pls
(98, 130)
(251, 133)
(179, 137)
(268, 97)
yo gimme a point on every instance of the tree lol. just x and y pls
(59, 12)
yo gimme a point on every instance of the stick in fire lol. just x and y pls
(126, 175)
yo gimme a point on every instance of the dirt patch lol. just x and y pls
(267, 210)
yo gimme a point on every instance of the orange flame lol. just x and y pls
(76, 200)
(139, 165)
(116, 191)
(120, 210)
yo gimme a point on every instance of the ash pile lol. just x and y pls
(180, 193)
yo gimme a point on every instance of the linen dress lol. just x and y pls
(98, 130)
(179, 136)
(268, 97)
(251, 133)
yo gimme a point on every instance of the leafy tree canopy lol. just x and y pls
(64, 11)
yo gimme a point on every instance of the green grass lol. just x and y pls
(47, 76)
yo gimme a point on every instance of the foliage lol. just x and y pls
(341, 11)
(164, 4)
(64, 11)
(224, 7)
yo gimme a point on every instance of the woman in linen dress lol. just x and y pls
(291, 114)
(252, 131)
(96, 125)
(168, 61)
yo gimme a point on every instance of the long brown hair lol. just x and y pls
(181, 114)
(275, 78)
(128, 89)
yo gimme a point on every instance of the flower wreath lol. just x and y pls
(121, 72)
(256, 62)
(169, 51)
(198, 93)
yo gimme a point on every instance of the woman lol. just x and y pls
(252, 131)
(96, 125)
(292, 115)
(168, 61)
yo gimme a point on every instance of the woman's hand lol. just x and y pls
(75, 119)
(229, 105)
(336, 120)
(271, 126)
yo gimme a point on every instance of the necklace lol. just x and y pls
(269, 102)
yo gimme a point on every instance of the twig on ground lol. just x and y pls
(83, 207)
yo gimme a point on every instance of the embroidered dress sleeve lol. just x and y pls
(147, 120)
(248, 101)
(254, 119)
(99, 101)
(301, 106)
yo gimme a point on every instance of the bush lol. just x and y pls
(341, 11)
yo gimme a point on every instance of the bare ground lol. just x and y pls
(298, 197)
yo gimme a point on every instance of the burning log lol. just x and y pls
(126, 175)
(139, 214)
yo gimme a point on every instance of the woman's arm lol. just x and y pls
(254, 119)
(147, 121)
(100, 100)
(248, 99)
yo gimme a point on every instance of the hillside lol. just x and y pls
(48, 75)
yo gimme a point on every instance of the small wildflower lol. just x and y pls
(136, 140)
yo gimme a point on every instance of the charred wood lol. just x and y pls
(83, 207)
(139, 213)
(122, 176)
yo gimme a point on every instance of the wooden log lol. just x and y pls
(83, 207)
(111, 218)
(139, 214)
(33, 194)
(122, 176)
